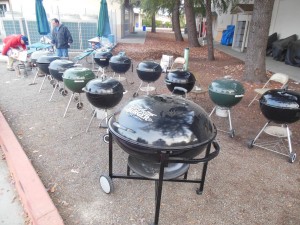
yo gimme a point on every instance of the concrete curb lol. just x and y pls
(34, 197)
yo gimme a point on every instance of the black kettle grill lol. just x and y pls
(180, 82)
(120, 64)
(75, 79)
(163, 135)
(225, 93)
(43, 63)
(57, 69)
(102, 59)
(103, 94)
(281, 107)
(148, 71)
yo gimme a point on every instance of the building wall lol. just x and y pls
(285, 19)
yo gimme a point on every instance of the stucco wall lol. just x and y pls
(285, 19)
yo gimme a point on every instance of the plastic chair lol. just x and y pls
(277, 77)
(178, 63)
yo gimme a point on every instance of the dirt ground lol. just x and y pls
(243, 186)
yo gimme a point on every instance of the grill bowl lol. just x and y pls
(77, 77)
(280, 106)
(104, 94)
(148, 71)
(226, 92)
(120, 63)
(148, 125)
(180, 78)
(44, 61)
(58, 67)
(102, 58)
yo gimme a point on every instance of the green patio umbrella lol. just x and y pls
(103, 21)
(41, 18)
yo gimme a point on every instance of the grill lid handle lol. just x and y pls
(116, 124)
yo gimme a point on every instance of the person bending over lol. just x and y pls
(17, 41)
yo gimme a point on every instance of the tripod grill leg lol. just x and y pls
(68, 104)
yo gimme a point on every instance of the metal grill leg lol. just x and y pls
(56, 86)
(68, 104)
(94, 114)
(42, 83)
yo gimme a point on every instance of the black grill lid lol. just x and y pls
(180, 77)
(281, 106)
(103, 55)
(149, 66)
(281, 99)
(61, 65)
(104, 87)
(163, 122)
(227, 86)
(47, 59)
(120, 59)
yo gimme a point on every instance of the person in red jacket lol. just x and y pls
(13, 41)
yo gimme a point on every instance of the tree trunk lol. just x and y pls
(153, 28)
(176, 21)
(209, 33)
(255, 63)
(191, 23)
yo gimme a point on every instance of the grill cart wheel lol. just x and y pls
(135, 94)
(250, 144)
(292, 157)
(79, 105)
(106, 184)
(64, 92)
(106, 138)
(52, 82)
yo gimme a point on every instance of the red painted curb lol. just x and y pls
(34, 197)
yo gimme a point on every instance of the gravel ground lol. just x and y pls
(242, 186)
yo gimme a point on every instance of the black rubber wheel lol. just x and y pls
(292, 157)
(250, 144)
(106, 138)
(106, 184)
(64, 92)
(135, 94)
(79, 105)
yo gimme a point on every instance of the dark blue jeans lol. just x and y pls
(62, 52)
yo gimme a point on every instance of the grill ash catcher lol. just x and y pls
(225, 93)
(163, 135)
(281, 107)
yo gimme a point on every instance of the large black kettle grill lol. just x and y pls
(57, 69)
(225, 93)
(281, 107)
(120, 64)
(180, 82)
(163, 135)
(33, 61)
(75, 80)
(147, 71)
(103, 94)
(102, 59)
(43, 63)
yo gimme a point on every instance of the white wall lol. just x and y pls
(286, 18)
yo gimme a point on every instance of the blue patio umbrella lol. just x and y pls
(41, 18)
(103, 20)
